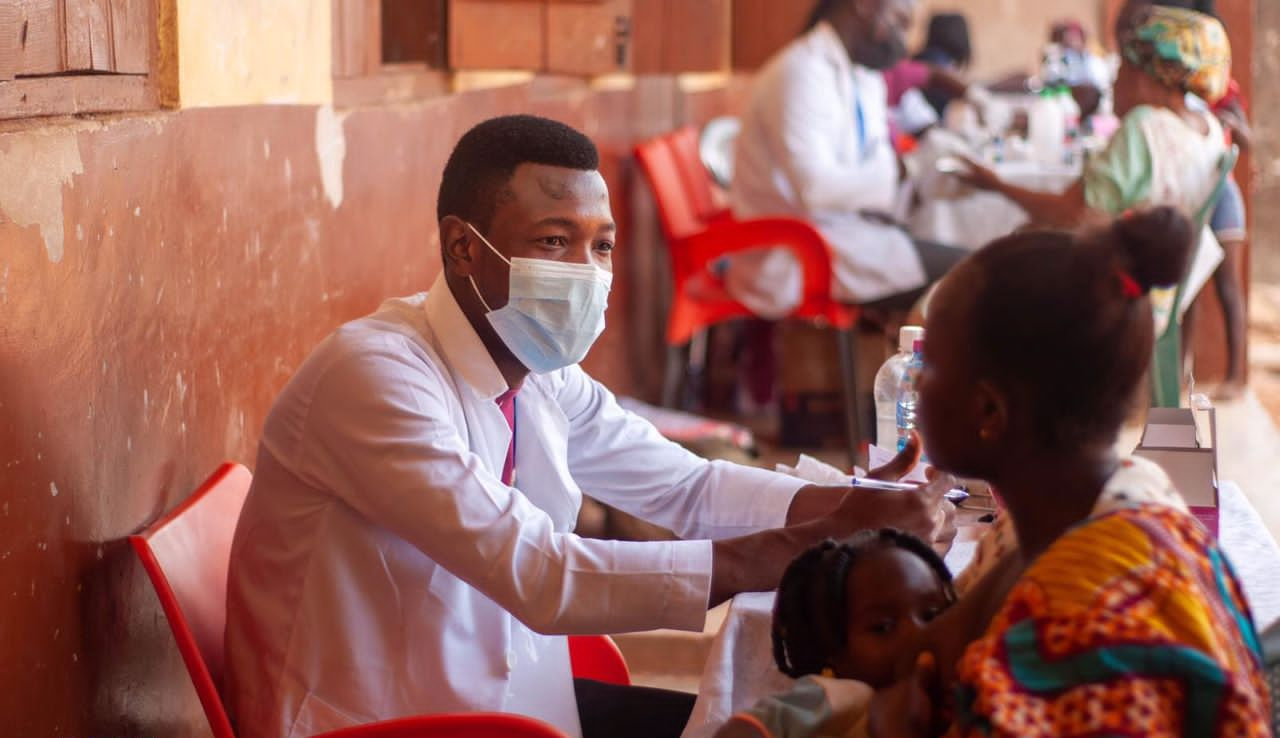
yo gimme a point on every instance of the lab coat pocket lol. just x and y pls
(315, 716)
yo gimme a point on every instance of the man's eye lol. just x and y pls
(555, 241)
(605, 246)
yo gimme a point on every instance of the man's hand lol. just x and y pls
(754, 563)
(902, 464)
(943, 518)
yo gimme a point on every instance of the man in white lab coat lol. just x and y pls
(815, 144)
(407, 546)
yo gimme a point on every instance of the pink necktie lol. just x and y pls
(507, 404)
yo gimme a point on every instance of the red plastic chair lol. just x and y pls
(598, 658)
(186, 555)
(698, 234)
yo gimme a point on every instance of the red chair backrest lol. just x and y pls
(697, 180)
(598, 657)
(681, 185)
(186, 555)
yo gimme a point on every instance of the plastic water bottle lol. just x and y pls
(886, 387)
(1071, 123)
(1047, 124)
(908, 397)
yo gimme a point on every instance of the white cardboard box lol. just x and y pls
(1184, 442)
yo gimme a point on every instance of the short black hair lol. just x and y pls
(949, 33)
(821, 9)
(487, 155)
(1058, 319)
(811, 614)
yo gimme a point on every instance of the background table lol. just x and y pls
(740, 668)
(954, 214)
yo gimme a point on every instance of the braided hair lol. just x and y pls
(811, 613)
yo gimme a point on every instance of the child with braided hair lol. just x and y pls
(845, 613)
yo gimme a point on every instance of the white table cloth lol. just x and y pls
(954, 214)
(740, 668)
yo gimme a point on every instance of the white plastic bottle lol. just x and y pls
(886, 387)
(908, 396)
(1047, 126)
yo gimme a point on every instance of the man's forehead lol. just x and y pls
(538, 191)
(542, 181)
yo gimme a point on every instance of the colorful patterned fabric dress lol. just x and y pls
(1132, 624)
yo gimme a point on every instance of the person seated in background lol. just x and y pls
(947, 48)
(845, 613)
(815, 145)
(1119, 615)
(1081, 67)
(1165, 153)
(408, 546)
(921, 88)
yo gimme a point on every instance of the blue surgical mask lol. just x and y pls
(554, 310)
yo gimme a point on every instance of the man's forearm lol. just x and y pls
(755, 563)
(814, 503)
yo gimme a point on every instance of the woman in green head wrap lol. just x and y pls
(1164, 153)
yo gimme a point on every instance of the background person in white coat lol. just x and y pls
(815, 144)
(407, 546)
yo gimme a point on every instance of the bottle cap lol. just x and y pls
(907, 337)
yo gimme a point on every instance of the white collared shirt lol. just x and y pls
(380, 567)
(805, 151)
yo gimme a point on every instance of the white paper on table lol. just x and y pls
(816, 472)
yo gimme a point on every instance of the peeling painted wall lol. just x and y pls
(254, 51)
(161, 277)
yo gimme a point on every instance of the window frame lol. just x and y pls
(360, 77)
(82, 91)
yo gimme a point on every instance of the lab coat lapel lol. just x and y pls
(488, 435)
(830, 48)
(542, 455)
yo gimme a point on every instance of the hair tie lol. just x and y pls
(1128, 285)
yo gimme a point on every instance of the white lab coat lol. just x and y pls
(381, 569)
(803, 152)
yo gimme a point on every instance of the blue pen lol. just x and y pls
(955, 495)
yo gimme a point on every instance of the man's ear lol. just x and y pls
(457, 246)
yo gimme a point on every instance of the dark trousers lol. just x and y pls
(612, 711)
(937, 260)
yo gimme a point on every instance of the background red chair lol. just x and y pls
(598, 658)
(186, 555)
(699, 232)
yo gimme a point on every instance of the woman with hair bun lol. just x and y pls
(1117, 614)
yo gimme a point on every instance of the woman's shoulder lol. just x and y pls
(1122, 540)
(1151, 572)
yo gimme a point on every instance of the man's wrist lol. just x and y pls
(813, 503)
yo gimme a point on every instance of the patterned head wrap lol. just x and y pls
(1182, 49)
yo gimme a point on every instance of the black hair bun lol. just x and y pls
(1155, 246)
